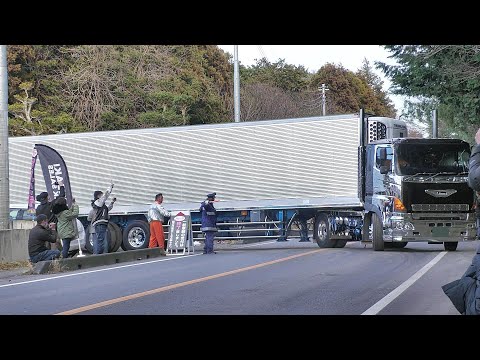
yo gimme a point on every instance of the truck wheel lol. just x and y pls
(111, 239)
(123, 246)
(340, 243)
(321, 232)
(395, 245)
(377, 233)
(366, 230)
(115, 237)
(118, 229)
(136, 235)
(450, 245)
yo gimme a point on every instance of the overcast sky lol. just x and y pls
(313, 57)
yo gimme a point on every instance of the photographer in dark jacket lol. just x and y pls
(45, 206)
(41, 233)
(464, 293)
(98, 216)
(474, 165)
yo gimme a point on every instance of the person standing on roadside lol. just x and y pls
(209, 222)
(65, 224)
(41, 233)
(156, 217)
(98, 216)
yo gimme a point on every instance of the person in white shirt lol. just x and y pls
(156, 216)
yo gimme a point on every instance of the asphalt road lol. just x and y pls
(288, 278)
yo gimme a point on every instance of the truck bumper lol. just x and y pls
(437, 227)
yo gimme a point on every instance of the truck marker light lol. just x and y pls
(398, 205)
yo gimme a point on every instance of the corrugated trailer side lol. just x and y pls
(277, 159)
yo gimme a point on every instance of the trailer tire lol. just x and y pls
(377, 233)
(321, 232)
(112, 238)
(136, 235)
(450, 245)
(115, 237)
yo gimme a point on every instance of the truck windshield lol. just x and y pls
(411, 159)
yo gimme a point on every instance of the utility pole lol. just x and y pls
(434, 124)
(323, 89)
(4, 184)
(236, 84)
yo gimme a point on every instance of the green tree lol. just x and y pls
(278, 74)
(443, 77)
(349, 92)
(381, 103)
(20, 61)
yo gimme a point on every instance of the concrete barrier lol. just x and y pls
(90, 261)
(23, 224)
(14, 245)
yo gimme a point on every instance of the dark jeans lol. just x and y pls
(209, 236)
(100, 239)
(45, 255)
(66, 247)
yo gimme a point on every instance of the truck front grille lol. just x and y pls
(440, 207)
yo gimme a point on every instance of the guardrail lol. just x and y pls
(242, 230)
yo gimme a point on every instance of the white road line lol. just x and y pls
(376, 308)
(99, 270)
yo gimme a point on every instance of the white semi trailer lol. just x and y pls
(268, 175)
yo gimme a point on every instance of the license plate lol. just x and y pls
(440, 231)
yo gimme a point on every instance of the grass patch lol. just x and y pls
(55, 266)
(15, 265)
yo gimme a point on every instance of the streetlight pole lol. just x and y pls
(4, 194)
(236, 84)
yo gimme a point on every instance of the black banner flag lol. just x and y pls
(54, 171)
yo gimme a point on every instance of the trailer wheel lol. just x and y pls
(119, 237)
(122, 246)
(112, 238)
(450, 245)
(377, 233)
(321, 232)
(136, 235)
(115, 238)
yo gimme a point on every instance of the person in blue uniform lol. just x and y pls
(209, 222)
